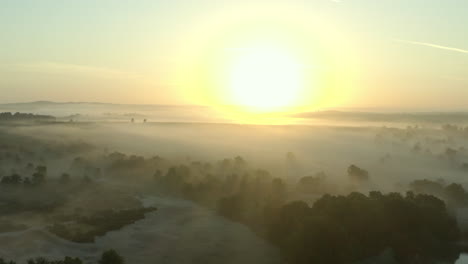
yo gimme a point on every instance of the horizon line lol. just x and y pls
(372, 109)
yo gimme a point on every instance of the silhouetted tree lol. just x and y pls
(40, 175)
(13, 180)
(111, 257)
(66, 260)
(456, 194)
(27, 182)
(2, 261)
(64, 178)
(346, 229)
(86, 180)
(357, 174)
(312, 183)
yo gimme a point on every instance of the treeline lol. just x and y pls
(207, 183)
(97, 225)
(38, 193)
(37, 178)
(445, 146)
(335, 229)
(417, 228)
(454, 194)
(42, 194)
(8, 116)
(346, 229)
(107, 257)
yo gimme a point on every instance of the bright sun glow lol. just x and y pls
(265, 78)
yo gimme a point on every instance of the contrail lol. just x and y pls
(432, 45)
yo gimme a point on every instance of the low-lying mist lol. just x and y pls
(391, 155)
(175, 192)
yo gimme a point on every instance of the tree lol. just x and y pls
(231, 207)
(279, 190)
(64, 178)
(451, 153)
(39, 176)
(455, 193)
(2, 261)
(69, 260)
(14, 179)
(86, 180)
(66, 260)
(41, 169)
(27, 182)
(111, 257)
(428, 186)
(312, 183)
(357, 174)
(347, 229)
(239, 162)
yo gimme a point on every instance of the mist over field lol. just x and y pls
(208, 192)
(233, 132)
(104, 112)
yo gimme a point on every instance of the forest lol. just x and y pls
(81, 190)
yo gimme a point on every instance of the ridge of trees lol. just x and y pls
(107, 257)
(417, 228)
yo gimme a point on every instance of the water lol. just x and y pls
(178, 232)
(463, 259)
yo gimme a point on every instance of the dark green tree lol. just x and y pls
(111, 257)
(357, 174)
(64, 178)
(2, 261)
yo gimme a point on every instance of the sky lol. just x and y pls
(389, 54)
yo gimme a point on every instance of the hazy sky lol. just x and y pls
(356, 53)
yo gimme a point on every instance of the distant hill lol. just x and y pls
(426, 117)
(52, 103)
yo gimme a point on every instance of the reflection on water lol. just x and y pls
(178, 232)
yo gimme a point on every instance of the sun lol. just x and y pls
(265, 77)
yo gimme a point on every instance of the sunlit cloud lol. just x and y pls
(432, 45)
